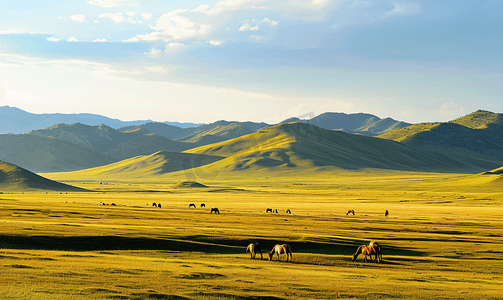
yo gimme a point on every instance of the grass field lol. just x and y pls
(442, 239)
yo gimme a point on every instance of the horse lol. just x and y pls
(281, 249)
(386, 213)
(369, 250)
(351, 211)
(268, 210)
(276, 210)
(253, 248)
(159, 205)
(377, 251)
(288, 211)
(154, 205)
(214, 210)
(203, 205)
(192, 205)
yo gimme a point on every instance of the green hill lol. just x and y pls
(477, 134)
(46, 154)
(145, 166)
(306, 146)
(14, 178)
(72, 147)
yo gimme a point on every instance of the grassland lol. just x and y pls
(442, 238)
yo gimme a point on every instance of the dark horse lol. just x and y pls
(192, 205)
(215, 210)
(386, 213)
(203, 205)
(254, 248)
(351, 211)
(268, 210)
(154, 205)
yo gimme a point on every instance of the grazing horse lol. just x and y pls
(253, 248)
(268, 210)
(203, 205)
(386, 213)
(288, 211)
(351, 211)
(159, 205)
(377, 251)
(214, 210)
(154, 205)
(192, 205)
(276, 210)
(281, 249)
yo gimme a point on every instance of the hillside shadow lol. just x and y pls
(188, 244)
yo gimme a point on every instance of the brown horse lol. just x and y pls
(254, 248)
(351, 211)
(281, 249)
(372, 249)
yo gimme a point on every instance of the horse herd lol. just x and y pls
(372, 250)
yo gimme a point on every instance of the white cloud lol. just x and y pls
(146, 16)
(130, 20)
(99, 40)
(157, 69)
(72, 39)
(154, 53)
(254, 28)
(319, 2)
(117, 17)
(269, 22)
(174, 27)
(132, 14)
(78, 18)
(174, 47)
(18, 32)
(203, 8)
(451, 108)
(257, 38)
(215, 43)
(233, 5)
(111, 3)
(96, 21)
(52, 39)
(245, 27)
(131, 40)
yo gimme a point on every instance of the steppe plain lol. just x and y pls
(442, 239)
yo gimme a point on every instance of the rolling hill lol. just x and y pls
(14, 178)
(72, 147)
(306, 146)
(360, 123)
(146, 166)
(479, 133)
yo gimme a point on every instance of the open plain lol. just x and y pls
(442, 238)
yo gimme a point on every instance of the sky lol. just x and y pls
(242, 60)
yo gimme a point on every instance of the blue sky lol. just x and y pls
(263, 60)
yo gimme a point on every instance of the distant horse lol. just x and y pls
(268, 210)
(288, 211)
(276, 210)
(203, 205)
(281, 249)
(214, 210)
(253, 248)
(386, 213)
(159, 205)
(113, 204)
(192, 205)
(154, 205)
(350, 212)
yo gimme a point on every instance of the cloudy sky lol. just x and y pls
(263, 60)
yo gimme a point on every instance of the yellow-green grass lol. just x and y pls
(441, 239)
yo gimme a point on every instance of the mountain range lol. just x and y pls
(14, 120)
(472, 143)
